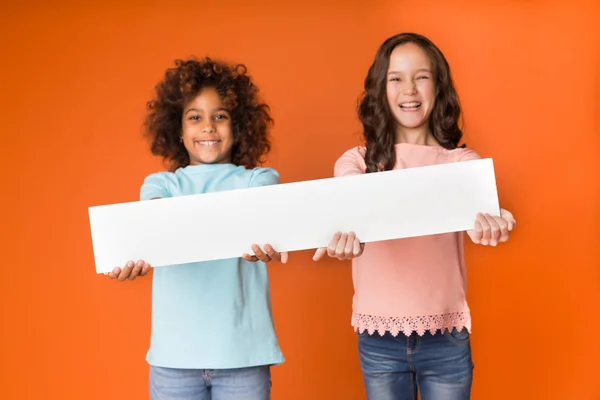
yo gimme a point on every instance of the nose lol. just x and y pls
(409, 89)
(208, 126)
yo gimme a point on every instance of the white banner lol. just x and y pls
(294, 216)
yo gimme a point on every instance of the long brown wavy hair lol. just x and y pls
(379, 124)
(250, 118)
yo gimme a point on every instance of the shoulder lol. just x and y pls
(157, 185)
(351, 162)
(263, 177)
(465, 154)
(160, 178)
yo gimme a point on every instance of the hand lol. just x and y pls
(131, 271)
(343, 246)
(269, 254)
(491, 230)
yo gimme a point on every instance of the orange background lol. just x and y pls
(75, 79)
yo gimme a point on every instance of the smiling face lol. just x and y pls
(410, 88)
(206, 129)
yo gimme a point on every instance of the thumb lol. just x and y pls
(319, 253)
(476, 233)
(508, 217)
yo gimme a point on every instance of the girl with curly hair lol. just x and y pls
(408, 289)
(213, 334)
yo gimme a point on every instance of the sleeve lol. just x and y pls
(352, 162)
(264, 177)
(155, 186)
(468, 155)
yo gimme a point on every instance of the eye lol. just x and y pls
(395, 79)
(221, 117)
(423, 77)
(195, 117)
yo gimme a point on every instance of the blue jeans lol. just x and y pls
(438, 366)
(252, 383)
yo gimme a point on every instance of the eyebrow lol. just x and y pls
(419, 70)
(217, 110)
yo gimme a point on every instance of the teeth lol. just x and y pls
(410, 105)
(208, 142)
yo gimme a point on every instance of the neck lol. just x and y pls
(421, 136)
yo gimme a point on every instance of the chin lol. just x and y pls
(208, 159)
(411, 125)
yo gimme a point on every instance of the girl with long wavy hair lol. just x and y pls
(410, 310)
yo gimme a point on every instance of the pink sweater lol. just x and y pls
(413, 284)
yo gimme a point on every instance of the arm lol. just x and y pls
(345, 246)
(155, 187)
(489, 229)
(265, 177)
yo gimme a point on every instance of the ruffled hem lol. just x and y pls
(408, 325)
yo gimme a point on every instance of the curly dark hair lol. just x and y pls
(250, 118)
(377, 118)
